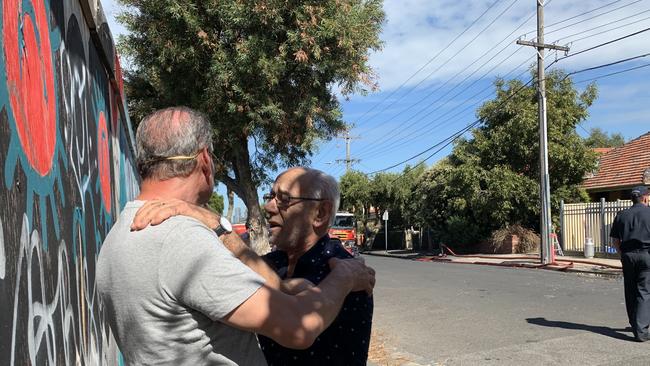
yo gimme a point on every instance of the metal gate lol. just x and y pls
(580, 221)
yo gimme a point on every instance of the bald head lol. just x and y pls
(174, 131)
(315, 183)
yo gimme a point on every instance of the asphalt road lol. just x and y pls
(461, 314)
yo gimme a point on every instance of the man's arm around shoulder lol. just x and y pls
(296, 321)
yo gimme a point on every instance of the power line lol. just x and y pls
(389, 134)
(449, 59)
(450, 139)
(579, 15)
(430, 60)
(402, 141)
(459, 133)
(609, 23)
(458, 73)
(594, 17)
(454, 136)
(612, 73)
(608, 64)
(607, 31)
(393, 144)
(584, 129)
(605, 43)
(573, 17)
(383, 138)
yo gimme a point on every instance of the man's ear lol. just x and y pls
(323, 214)
(205, 160)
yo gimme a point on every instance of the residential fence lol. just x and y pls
(580, 221)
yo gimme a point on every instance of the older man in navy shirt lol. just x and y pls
(301, 207)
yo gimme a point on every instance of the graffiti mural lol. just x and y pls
(66, 170)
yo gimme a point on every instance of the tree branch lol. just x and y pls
(232, 185)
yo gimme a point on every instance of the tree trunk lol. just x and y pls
(247, 191)
(231, 203)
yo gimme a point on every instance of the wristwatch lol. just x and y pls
(225, 227)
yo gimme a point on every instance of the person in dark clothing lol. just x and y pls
(300, 208)
(631, 234)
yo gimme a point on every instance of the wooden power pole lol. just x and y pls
(545, 189)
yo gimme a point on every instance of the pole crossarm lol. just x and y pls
(543, 45)
(348, 160)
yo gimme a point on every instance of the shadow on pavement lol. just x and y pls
(610, 332)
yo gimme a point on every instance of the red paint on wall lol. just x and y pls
(118, 76)
(103, 161)
(30, 81)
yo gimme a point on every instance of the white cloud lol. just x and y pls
(416, 30)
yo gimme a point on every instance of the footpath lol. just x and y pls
(595, 266)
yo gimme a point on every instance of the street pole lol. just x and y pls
(347, 152)
(348, 159)
(385, 217)
(545, 189)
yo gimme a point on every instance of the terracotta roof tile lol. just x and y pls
(602, 150)
(622, 166)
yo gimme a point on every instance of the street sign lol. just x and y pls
(385, 218)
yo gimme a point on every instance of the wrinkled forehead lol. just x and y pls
(295, 181)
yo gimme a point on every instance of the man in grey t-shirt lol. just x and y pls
(177, 294)
(168, 287)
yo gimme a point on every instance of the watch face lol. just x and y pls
(225, 224)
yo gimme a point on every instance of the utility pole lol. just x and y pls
(348, 160)
(545, 189)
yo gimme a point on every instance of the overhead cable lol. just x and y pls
(477, 121)
(430, 60)
(448, 60)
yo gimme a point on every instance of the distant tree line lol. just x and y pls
(490, 180)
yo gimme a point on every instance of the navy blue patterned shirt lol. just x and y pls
(346, 340)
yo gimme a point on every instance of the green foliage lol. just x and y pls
(216, 202)
(265, 72)
(599, 138)
(260, 69)
(382, 191)
(355, 191)
(403, 199)
(385, 191)
(492, 180)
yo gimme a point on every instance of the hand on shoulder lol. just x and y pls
(154, 212)
(355, 270)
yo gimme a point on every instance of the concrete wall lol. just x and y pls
(66, 170)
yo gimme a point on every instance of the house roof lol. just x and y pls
(602, 150)
(622, 167)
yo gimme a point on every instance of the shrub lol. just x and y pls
(529, 241)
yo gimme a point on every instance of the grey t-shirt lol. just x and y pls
(165, 289)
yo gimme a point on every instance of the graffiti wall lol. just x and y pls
(66, 169)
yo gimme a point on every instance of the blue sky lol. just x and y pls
(406, 116)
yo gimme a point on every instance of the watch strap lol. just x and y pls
(219, 230)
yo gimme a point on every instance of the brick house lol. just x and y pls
(619, 170)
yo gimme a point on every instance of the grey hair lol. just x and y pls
(325, 186)
(170, 132)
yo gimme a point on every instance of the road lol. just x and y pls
(431, 313)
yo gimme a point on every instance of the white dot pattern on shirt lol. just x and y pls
(303, 358)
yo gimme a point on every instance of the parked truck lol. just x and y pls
(344, 229)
